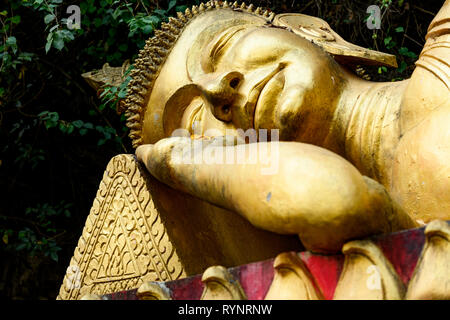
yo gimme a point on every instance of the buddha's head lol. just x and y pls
(229, 67)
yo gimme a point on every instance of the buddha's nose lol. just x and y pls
(221, 91)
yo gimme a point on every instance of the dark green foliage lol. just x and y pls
(57, 136)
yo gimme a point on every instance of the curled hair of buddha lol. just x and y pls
(152, 57)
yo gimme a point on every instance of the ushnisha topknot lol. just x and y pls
(152, 57)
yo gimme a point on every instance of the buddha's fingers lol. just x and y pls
(183, 163)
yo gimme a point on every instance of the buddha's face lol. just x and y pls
(225, 73)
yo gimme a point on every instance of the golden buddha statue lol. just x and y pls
(355, 157)
(332, 157)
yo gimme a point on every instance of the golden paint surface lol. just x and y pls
(356, 158)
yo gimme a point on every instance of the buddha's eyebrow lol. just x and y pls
(224, 38)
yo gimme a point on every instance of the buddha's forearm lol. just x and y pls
(300, 189)
(429, 86)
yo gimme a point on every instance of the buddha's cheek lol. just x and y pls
(421, 169)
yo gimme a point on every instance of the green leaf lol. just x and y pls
(405, 52)
(97, 22)
(26, 56)
(122, 94)
(89, 125)
(49, 124)
(123, 47)
(62, 127)
(172, 4)
(92, 9)
(15, 19)
(54, 116)
(154, 19)
(147, 29)
(160, 12)
(58, 43)
(83, 131)
(70, 128)
(48, 45)
(21, 246)
(180, 8)
(117, 55)
(399, 29)
(402, 67)
(11, 41)
(387, 40)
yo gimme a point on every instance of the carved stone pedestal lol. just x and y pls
(141, 230)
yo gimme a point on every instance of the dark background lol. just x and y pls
(57, 135)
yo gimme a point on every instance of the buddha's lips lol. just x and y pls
(255, 92)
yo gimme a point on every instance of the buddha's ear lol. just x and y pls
(319, 32)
